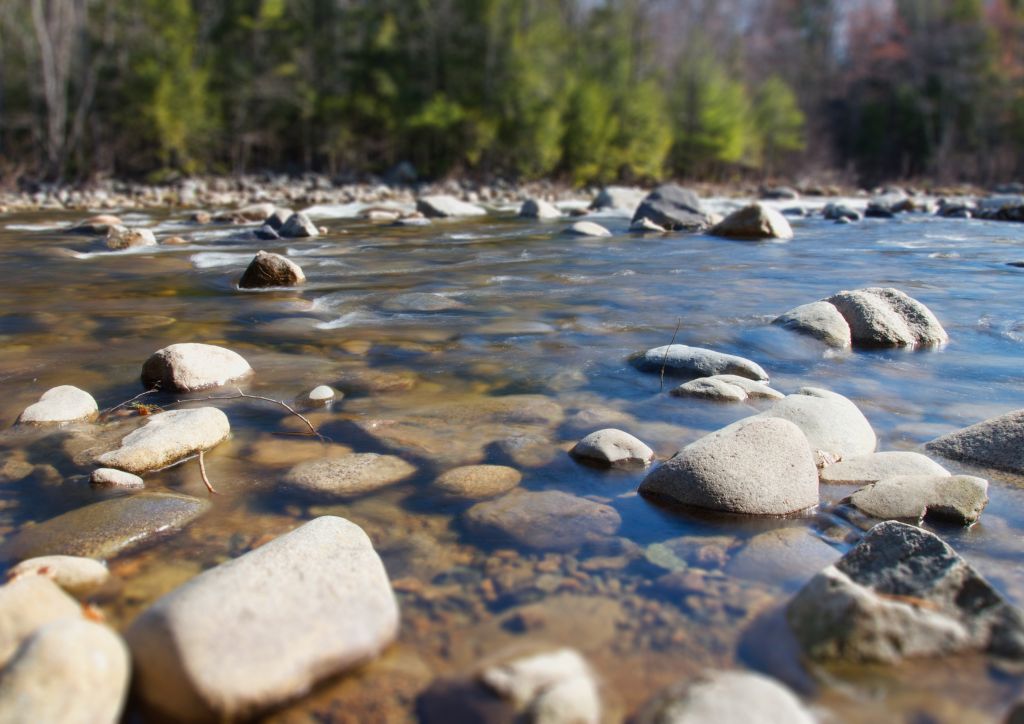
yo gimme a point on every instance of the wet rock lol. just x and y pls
(265, 628)
(902, 592)
(441, 206)
(168, 438)
(675, 554)
(995, 443)
(298, 226)
(421, 302)
(726, 697)
(548, 688)
(76, 575)
(673, 207)
(371, 381)
(348, 475)
(111, 478)
(681, 359)
(475, 482)
(780, 193)
(271, 270)
(539, 209)
(587, 228)
(64, 403)
(105, 529)
(841, 212)
(785, 556)
(524, 451)
(191, 366)
(322, 394)
(613, 448)
(96, 225)
(755, 466)
(121, 237)
(886, 317)
(625, 198)
(874, 467)
(833, 425)
(755, 221)
(726, 388)
(547, 520)
(27, 604)
(818, 319)
(68, 671)
(645, 225)
(955, 498)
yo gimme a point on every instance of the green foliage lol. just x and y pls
(778, 120)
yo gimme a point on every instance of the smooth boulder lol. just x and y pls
(996, 443)
(887, 317)
(266, 627)
(681, 359)
(726, 388)
(348, 475)
(168, 438)
(587, 228)
(191, 366)
(546, 520)
(539, 209)
(835, 428)
(113, 478)
(872, 468)
(26, 604)
(64, 403)
(613, 448)
(953, 498)
(755, 221)
(444, 206)
(820, 320)
(756, 466)
(271, 270)
(77, 575)
(673, 207)
(298, 226)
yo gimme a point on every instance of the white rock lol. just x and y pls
(111, 478)
(322, 393)
(613, 448)
(681, 359)
(26, 604)
(711, 388)
(168, 438)
(76, 575)
(64, 403)
(587, 228)
(442, 206)
(191, 366)
(834, 426)
(550, 688)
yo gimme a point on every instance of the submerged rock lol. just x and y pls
(168, 438)
(821, 320)
(191, 366)
(872, 468)
(475, 482)
(673, 207)
(348, 475)
(903, 592)
(681, 359)
(271, 270)
(835, 428)
(76, 575)
(64, 403)
(755, 466)
(421, 302)
(547, 520)
(539, 209)
(549, 688)
(442, 206)
(996, 443)
(785, 556)
(587, 228)
(755, 221)
(956, 498)
(266, 627)
(886, 317)
(613, 448)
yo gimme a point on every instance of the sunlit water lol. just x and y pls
(540, 314)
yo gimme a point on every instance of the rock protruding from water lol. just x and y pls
(681, 359)
(348, 475)
(266, 627)
(996, 443)
(121, 237)
(539, 209)
(613, 448)
(755, 221)
(756, 466)
(587, 228)
(105, 529)
(168, 438)
(673, 207)
(623, 198)
(64, 403)
(954, 498)
(192, 366)
(835, 428)
(876, 466)
(298, 226)
(903, 592)
(271, 270)
(475, 482)
(71, 670)
(726, 388)
(546, 520)
(726, 697)
(820, 320)
(27, 604)
(443, 206)
(555, 688)
(76, 575)
(96, 225)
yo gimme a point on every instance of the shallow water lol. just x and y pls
(541, 314)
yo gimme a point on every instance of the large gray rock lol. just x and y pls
(833, 425)
(265, 628)
(74, 574)
(755, 466)
(27, 604)
(168, 438)
(726, 697)
(549, 688)
(71, 670)
(348, 475)
(547, 520)
(726, 388)
(298, 226)
(673, 207)
(64, 403)
(191, 366)
(872, 468)
(886, 317)
(271, 270)
(902, 592)
(539, 209)
(625, 198)
(613, 448)
(681, 359)
(956, 498)
(442, 206)
(818, 319)
(755, 221)
(995, 443)
(105, 529)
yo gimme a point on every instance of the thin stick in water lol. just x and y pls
(202, 471)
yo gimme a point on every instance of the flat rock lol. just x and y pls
(821, 320)
(539, 209)
(192, 366)
(681, 359)
(168, 438)
(71, 670)
(903, 592)
(996, 443)
(554, 687)
(784, 556)
(955, 498)
(872, 468)
(61, 404)
(105, 529)
(271, 270)
(121, 237)
(443, 206)
(755, 221)
(833, 425)
(76, 575)
(475, 482)
(613, 448)
(547, 520)
(755, 466)
(673, 207)
(886, 317)
(348, 475)
(298, 226)
(112, 478)
(587, 228)
(266, 627)
(26, 604)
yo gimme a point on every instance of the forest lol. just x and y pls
(584, 91)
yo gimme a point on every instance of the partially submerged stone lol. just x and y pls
(191, 366)
(168, 438)
(539, 209)
(755, 221)
(96, 225)
(673, 207)
(554, 687)
(113, 478)
(266, 627)
(271, 270)
(587, 228)
(955, 498)
(443, 206)
(613, 448)
(348, 475)
(298, 226)
(475, 482)
(322, 394)
(726, 388)
(681, 359)
(876, 466)
(546, 520)
(121, 237)
(65, 403)
(77, 575)
(886, 317)
(996, 443)
(833, 425)
(820, 320)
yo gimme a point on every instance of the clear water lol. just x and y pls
(543, 315)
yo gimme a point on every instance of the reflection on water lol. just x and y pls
(504, 342)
